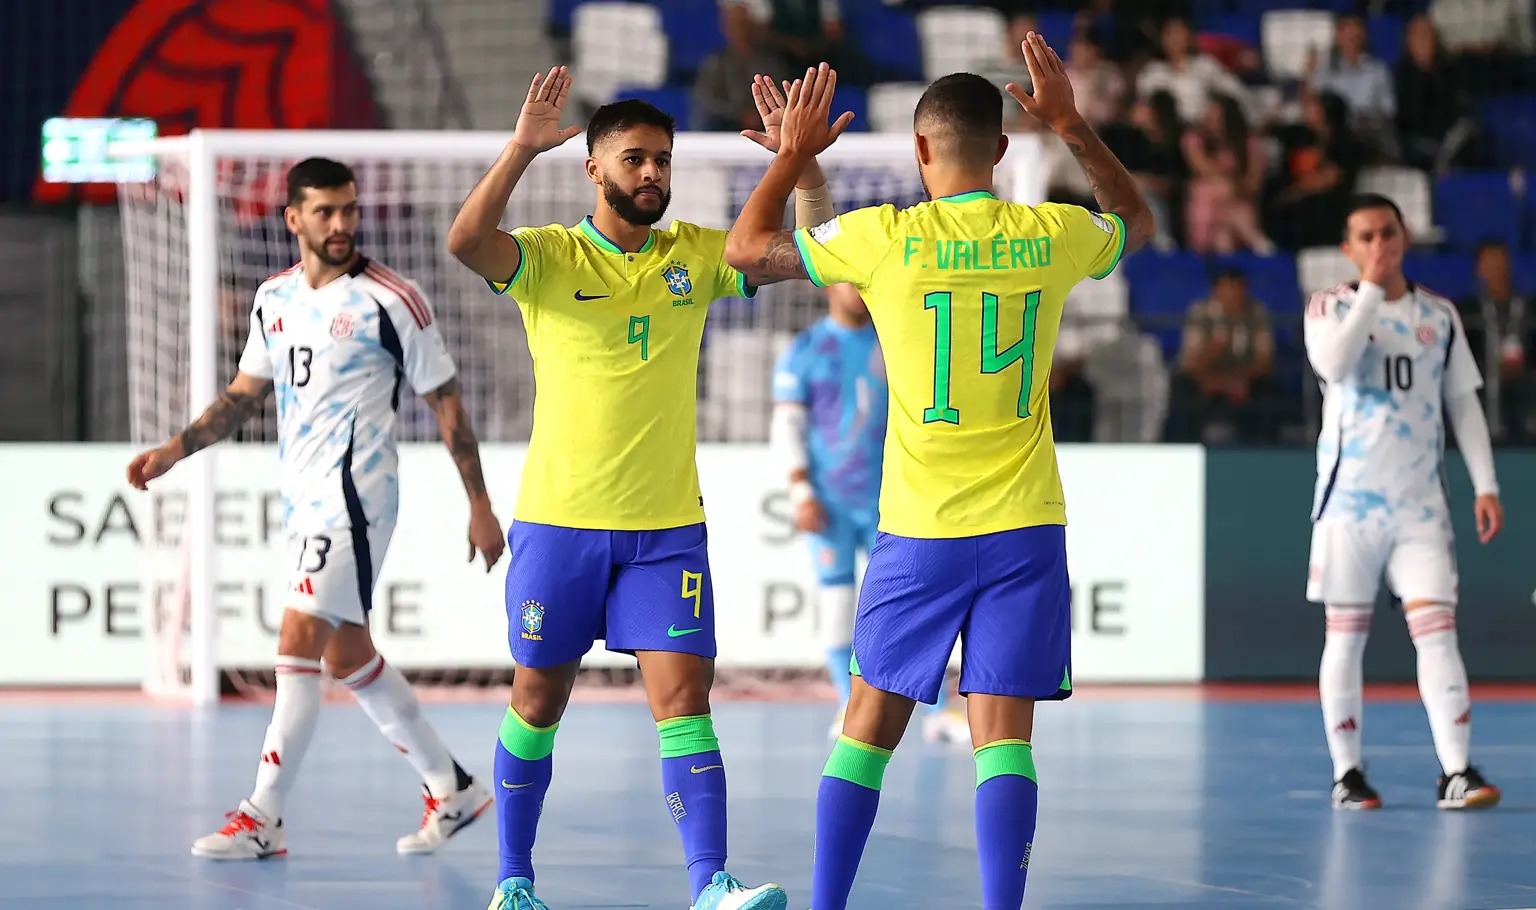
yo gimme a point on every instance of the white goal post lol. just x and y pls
(201, 234)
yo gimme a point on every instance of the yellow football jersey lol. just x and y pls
(966, 293)
(615, 342)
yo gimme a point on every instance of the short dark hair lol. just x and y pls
(967, 109)
(317, 173)
(1364, 202)
(618, 116)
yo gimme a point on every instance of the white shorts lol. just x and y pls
(1348, 559)
(334, 572)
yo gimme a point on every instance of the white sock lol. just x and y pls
(295, 713)
(1341, 683)
(389, 701)
(1443, 683)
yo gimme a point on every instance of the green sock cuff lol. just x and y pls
(525, 741)
(1006, 756)
(858, 763)
(684, 736)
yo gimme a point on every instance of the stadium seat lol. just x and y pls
(693, 33)
(1271, 279)
(616, 44)
(1509, 123)
(1322, 267)
(1287, 36)
(891, 105)
(1523, 273)
(888, 39)
(1244, 27)
(1386, 38)
(1447, 274)
(674, 99)
(561, 16)
(1474, 207)
(960, 39)
(1410, 188)
(1162, 288)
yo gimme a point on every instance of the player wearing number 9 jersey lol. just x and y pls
(966, 292)
(608, 539)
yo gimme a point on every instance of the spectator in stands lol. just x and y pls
(1491, 40)
(1151, 152)
(805, 33)
(1129, 32)
(1323, 158)
(1363, 81)
(1010, 68)
(722, 93)
(1097, 83)
(1432, 103)
(1222, 392)
(1190, 76)
(1227, 167)
(1501, 331)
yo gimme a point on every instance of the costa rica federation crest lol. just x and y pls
(678, 282)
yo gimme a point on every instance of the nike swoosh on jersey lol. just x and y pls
(581, 296)
(516, 786)
(697, 770)
(674, 632)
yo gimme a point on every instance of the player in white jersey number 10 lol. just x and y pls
(335, 336)
(1395, 367)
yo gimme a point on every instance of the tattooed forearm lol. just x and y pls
(459, 436)
(1112, 185)
(780, 260)
(222, 419)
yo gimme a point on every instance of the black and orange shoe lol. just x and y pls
(1353, 792)
(1467, 790)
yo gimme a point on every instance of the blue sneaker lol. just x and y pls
(516, 894)
(726, 892)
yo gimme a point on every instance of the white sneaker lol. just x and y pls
(947, 726)
(247, 835)
(443, 818)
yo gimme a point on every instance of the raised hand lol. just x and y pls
(538, 124)
(1052, 102)
(805, 130)
(770, 103)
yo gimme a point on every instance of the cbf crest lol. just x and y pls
(678, 282)
(532, 617)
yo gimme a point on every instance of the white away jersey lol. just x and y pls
(1381, 447)
(337, 356)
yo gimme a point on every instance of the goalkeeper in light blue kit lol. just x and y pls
(828, 431)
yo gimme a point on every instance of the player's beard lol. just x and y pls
(627, 207)
(330, 258)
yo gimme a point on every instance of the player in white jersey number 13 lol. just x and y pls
(1394, 361)
(335, 336)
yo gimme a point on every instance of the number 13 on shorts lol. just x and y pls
(693, 589)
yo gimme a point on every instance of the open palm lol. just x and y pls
(770, 100)
(538, 124)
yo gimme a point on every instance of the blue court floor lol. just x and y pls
(1145, 803)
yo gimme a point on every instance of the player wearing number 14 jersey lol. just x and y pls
(966, 292)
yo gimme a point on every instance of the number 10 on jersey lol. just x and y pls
(992, 360)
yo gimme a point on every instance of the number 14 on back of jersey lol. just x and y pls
(993, 361)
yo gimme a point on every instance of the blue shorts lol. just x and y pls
(1006, 596)
(568, 588)
(835, 550)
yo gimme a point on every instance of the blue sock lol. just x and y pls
(1007, 801)
(846, 804)
(524, 764)
(837, 668)
(693, 779)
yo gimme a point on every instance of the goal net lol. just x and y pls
(208, 229)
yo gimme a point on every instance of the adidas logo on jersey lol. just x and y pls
(275, 327)
(305, 586)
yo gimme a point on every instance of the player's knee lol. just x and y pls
(1430, 623)
(1347, 619)
(876, 717)
(994, 718)
(540, 694)
(677, 685)
(304, 635)
(349, 650)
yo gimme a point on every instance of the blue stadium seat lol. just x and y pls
(1242, 26)
(1271, 279)
(1386, 38)
(693, 33)
(1523, 273)
(1162, 288)
(1446, 274)
(888, 39)
(852, 98)
(674, 99)
(1510, 125)
(560, 15)
(1057, 27)
(1474, 207)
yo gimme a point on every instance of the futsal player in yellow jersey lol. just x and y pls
(608, 540)
(966, 293)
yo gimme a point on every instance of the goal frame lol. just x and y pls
(202, 149)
